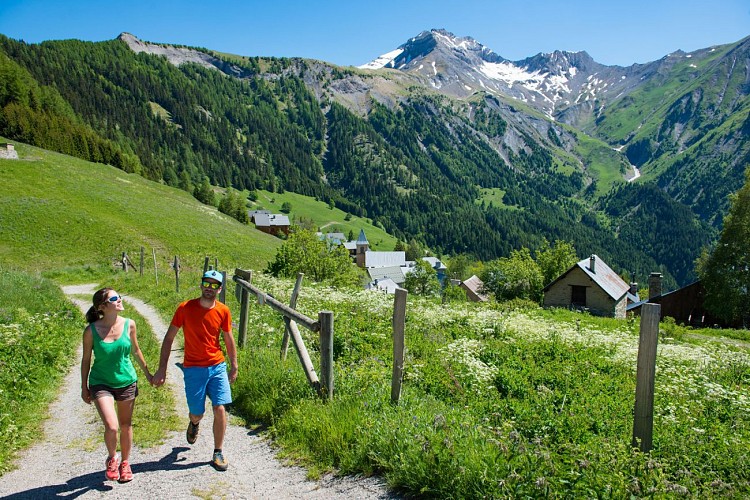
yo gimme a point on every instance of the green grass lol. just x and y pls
(71, 220)
(496, 402)
(326, 220)
(39, 333)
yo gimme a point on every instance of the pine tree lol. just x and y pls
(725, 272)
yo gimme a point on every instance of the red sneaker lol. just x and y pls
(112, 473)
(126, 474)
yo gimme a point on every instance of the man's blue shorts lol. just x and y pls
(202, 381)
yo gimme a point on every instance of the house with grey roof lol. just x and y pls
(589, 285)
(384, 259)
(395, 273)
(272, 223)
(386, 285)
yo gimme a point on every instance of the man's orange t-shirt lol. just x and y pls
(202, 328)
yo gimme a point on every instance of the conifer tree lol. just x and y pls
(725, 272)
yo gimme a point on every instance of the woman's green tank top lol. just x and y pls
(112, 365)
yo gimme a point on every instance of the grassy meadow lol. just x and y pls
(499, 400)
(326, 219)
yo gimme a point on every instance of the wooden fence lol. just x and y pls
(292, 318)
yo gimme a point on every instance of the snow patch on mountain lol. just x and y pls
(383, 60)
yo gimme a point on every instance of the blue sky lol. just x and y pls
(354, 32)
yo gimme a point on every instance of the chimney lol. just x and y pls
(592, 263)
(634, 288)
(654, 285)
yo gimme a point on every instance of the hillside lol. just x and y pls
(405, 153)
(65, 215)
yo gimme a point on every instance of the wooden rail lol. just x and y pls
(292, 318)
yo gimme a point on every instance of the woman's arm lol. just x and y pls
(135, 350)
(88, 345)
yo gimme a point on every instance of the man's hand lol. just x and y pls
(232, 374)
(159, 377)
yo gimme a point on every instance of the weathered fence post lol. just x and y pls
(399, 318)
(176, 266)
(325, 318)
(205, 264)
(141, 266)
(125, 261)
(293, 305)
(156, 271)
(643, 415)
(304, 357)
(223, 293)
(244, 304)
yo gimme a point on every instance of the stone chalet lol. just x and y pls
(589, 285)
(271, 223)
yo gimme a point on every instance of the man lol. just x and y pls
(202, 321)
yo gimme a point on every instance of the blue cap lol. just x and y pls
(214, 275)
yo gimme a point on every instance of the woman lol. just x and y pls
(112, 382)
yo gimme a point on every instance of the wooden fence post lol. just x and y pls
(223, 293)
(244, 304)
(141, 266)
(205, 264)
(156, 271)
(176, 266)
(643, 415)
(399, 318)
(125, 261)
(325, 318)
(304, 357)
(293, 305)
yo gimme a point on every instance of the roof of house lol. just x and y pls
(390, 272)
(475, 285)
(384, 259)
(350, 245)
(602, 275)
(386, 284)
(271, 220)
(435, 263)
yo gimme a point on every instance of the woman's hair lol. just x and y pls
(94, 313)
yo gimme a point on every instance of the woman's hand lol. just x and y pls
(86, 395)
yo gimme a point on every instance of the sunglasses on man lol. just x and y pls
(212, 286)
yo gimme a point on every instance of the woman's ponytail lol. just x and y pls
(93, 314)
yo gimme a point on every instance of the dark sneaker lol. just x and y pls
(112, 473)
(192, 432)
(218, 462)
(126, 474)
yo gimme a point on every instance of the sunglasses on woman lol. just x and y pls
(212, 286)
(114, 298)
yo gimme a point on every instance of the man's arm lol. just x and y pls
(232, 354)
(166, 349)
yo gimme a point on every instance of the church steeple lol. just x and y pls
(362, 247)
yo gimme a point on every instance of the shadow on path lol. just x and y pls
(94, 481)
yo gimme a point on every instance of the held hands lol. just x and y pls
(157, 380)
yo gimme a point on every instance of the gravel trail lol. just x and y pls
(68, 461)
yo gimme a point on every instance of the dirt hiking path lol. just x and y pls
(68, 461)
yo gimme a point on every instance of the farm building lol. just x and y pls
(592, 286)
